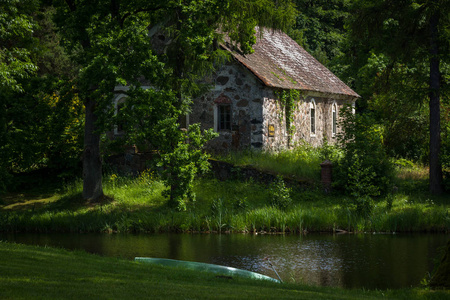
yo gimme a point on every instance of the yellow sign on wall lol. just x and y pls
(271, 130)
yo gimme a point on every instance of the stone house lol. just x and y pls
(244, 105)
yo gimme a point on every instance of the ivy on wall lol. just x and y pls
(288, 101)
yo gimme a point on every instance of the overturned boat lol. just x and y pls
(198, 266)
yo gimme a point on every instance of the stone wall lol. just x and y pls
(225, 171)
(234, 85)
(274, 115)
(255, 109)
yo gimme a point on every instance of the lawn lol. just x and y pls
(28, 272)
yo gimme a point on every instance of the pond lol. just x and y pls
(346, 260)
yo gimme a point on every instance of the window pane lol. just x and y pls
(224, 117)
(334, 121)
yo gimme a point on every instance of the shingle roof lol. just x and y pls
(278, 61)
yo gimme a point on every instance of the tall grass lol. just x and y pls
(136, 205)
(302, 162)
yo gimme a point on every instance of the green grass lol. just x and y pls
(136, 205)
(29, 272)
(302, 162)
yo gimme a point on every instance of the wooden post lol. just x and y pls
(326, 173)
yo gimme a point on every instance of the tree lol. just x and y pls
(39, 120)
(16, 27)
(319, 28)
(109, 40)
(409, 32)
(364, 170)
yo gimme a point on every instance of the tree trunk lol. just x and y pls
(435, 117)
(92, 165)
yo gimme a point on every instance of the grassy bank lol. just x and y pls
(28, 272)
(136, 205)
(303, 162)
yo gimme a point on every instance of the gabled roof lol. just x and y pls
(278, 61)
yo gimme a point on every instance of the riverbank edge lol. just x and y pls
(41, 272)
(135, 205)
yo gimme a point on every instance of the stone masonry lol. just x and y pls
(255, 107)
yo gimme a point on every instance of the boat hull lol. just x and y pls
(198, 266)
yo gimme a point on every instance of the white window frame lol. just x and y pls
(334, 118)
(312, 118)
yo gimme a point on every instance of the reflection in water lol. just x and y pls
(351, 261)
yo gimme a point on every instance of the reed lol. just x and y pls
(136, 205)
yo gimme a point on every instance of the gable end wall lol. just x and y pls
(301, 121)
(244, 92)
(254, 107)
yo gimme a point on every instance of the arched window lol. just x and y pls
(312, 114)
(334, 119)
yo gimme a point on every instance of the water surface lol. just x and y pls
(351, 261)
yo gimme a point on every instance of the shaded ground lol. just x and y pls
(20, 201)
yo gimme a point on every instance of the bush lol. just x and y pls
(280, 195)
(364, 169)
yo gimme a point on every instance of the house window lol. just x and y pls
(224, 117)
(334, 119)
(312, 113)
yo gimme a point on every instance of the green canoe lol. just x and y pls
(222, 270)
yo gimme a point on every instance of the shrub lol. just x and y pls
(364, 168)
(280, 195)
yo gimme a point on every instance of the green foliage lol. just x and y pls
(361, 179)
(330, 152)
(320, 28)
(289, 101)
(111, 44)
(408, 42)
(180, 155)
(135, 204)
(280, 194)
(364, 206)
(183, 163)
(301, 162)
(365, 169)
(40, 117)
(16, 42)
(389, 201)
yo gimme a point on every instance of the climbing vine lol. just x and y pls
(288, 101)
